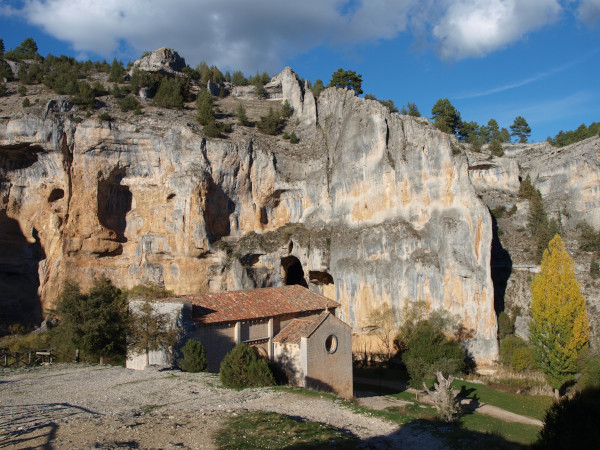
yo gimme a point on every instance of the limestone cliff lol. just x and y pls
(569, 181)
(370, 208)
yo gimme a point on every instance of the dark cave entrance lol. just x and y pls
(293, 272)
(501, 268)
(114, 202)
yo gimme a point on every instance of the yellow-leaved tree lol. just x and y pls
(559, 328)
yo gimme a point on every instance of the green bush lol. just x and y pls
(286, 109)
(105, 116)
(508, 346)
(241, 367)
(496, 148)
(5, 70)
(204, 106)
(169, 94)
(26, 103)
(293, 138)
(590, 370)
(22, 91)
(429, 351)
(505, 326)
(194, 357)
(129, 103)
(270, 123)
(211, 129)
(522, 359)
(572, 422)
(83, 95)
(240, 114)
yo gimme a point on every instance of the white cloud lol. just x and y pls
(589, 12)
(261, 34)
(477, 27)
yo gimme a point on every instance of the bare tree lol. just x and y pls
(150, 330)
(381, 325)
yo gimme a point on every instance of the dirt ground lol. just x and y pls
(90, 406)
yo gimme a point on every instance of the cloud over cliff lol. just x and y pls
(263, 33)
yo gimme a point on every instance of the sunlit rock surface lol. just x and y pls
(370, 208)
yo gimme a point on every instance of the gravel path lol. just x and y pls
(90, 406)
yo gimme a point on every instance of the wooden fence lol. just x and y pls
(26, 357)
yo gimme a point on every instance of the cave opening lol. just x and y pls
(55, 195)
(114, 202)
(218, 208)
(293, 272)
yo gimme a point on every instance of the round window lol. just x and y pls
(331, 344)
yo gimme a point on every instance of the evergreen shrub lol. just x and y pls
(241, 368)
(194, 357)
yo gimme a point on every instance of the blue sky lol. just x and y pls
(491, 58)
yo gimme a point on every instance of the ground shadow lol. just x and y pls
(28, 424)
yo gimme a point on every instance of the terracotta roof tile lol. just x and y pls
(254, 304)
(299, 328)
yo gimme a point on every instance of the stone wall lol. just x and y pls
(327, 364)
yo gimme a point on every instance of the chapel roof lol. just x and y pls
(299, 328)
(254, 304)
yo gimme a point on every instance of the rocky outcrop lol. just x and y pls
(370, 208)
(569, 181)
(164, 60)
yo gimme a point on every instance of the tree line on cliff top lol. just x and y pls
(65, 76)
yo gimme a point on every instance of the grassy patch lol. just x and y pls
(527, 405)
(519, 433)
(253, 430)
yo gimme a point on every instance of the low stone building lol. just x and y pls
(290, 325)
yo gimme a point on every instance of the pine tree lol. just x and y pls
(286, 109)
(346, 79)
(559, 328)
(93, 322)
(116, 72)
(520, 128)
(410, 110)
(445, 116)
(317, 88)
(240, 114)
(204, 105)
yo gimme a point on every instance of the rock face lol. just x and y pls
(164, 60)
(569, 181)
(370, 208)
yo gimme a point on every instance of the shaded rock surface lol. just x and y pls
(569, 181)
(370, 208)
